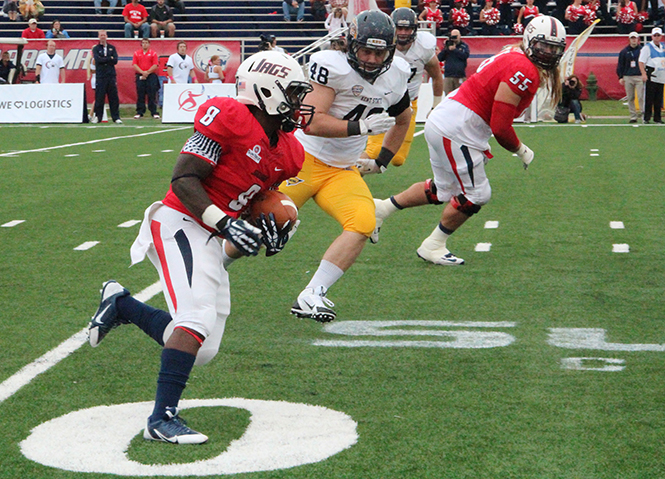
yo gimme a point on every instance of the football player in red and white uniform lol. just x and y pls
(458, 132)
(239, 147)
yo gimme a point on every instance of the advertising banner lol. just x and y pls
(76, 52)
(599, 55)
(181, 101)
(52, 103)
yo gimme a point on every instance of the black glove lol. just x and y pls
(273, 237)
(245, 237)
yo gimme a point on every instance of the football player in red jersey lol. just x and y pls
(239, 147)
(458, 132)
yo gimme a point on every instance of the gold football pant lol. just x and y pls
(374, 142)
(340, 192)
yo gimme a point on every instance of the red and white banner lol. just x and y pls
(182, 101)
(76, 52)
(599, 55)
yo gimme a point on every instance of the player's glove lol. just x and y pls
(525, 154)
(368, 166)
(245, 237)
(376, 124)
(274, 237)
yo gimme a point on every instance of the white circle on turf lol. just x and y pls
(280, 435)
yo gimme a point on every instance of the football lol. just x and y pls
(275, 202)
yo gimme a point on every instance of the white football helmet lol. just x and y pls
(544, 41)
(275, 83)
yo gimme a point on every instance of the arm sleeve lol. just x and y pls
(400, 106)
(501, 123)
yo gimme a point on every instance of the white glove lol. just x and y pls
(368, 166)
(525, 154)
(376, 124)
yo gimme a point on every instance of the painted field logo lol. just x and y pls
(280, 435)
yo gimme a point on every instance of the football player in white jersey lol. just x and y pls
(180, 66)
(355, 94)
(419, 50)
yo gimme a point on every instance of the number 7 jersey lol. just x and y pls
(355, 99)
(510, 66)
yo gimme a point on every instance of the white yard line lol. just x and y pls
(54, 356)
(92, 142)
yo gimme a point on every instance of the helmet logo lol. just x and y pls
(376, 42)
(280, 71)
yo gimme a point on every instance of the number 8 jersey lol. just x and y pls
(355, 99)
(229, 137)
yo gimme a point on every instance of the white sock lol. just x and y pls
(384, 208)
(437, 239)
(326, 275)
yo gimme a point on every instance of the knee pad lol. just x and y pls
(462, 204)
(398, 160)
(205, 355)
(431, 193)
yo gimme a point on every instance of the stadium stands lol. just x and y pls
(205, 19)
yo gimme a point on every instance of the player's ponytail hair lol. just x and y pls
(551, 79)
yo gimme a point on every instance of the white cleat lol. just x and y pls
(312, 303)
(439, 256)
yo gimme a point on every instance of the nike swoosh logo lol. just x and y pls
(102, 313)
(310, 305)
(167, 439)
(279, 169)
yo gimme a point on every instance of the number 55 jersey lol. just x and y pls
(469, 115)
(355, 99)
(512, 67)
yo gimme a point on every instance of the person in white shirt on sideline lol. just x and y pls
(50, 66)
(180, 66)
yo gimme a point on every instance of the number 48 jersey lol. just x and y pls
(355, 99)
(510, 66)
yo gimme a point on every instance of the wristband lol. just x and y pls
(435, 101)
(353, 128)
(37, 79)
(213, 216)
(385, 157)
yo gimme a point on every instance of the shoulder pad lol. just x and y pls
(426, 39)
(335, 61)
(401, 65)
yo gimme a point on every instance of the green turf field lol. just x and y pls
(541, 358)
